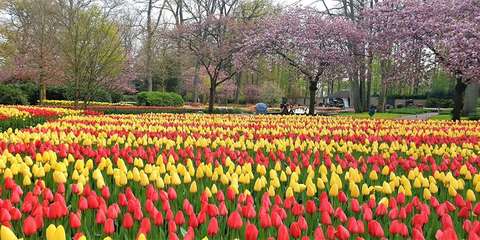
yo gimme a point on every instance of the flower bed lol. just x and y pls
(190, 176)
(24, 116)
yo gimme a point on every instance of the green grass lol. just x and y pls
(408, 110)
(445, 117)
(376, 116)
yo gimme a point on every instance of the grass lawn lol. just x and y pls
(376, 116)
(445, 117)
(408, 110)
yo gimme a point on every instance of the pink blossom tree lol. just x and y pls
(213, 42)
(447, 31)
(307, 40)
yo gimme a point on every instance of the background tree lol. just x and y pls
(32, 24)
(93, 52)
(306, 40)
(214, 43)
(448, 31)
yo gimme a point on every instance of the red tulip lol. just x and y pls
(5, 215)
(172, 227)
(106, 192)
(302, 223)
(179, 218)
(342, 197)
(283, 233)
(82, 203)
(74, 220)
(251, 232)
(212, 210)
(311, 207)
(375, 229)
(331, 232)
(172, 195)
(212, 228)
(276, 219)
(352, 225)
(265, 221)
(417, 234)
(447, 234)
(297, 209)
(340, 214)
(29, 226)
(190, 235)
(235, 220)
(127, 221)
(318, 234)
(92, 201)
(326, 220)
(100, 218)
(230, 194)
(355, 206)
(295, 230)
(342, 233)
(109, 227)
(145, 225)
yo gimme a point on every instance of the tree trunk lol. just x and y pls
(42, 87)
(148, 48)
(471, 96)
(382, 97)
(196, 81)
(369, 80)
(211, 99)
(238, 80)
(355, 88)
(458, 99)
(313, 90)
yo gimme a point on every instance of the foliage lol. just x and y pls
(443, 32)
(57, 92)
(270, 93)
(19, 123)
(12, 95)
(116, 96)
(213, 41)
(438, 103)
(92, 47)
(304, 39)
(159, 99)
(31, 91)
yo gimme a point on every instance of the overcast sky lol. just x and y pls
(314, 3)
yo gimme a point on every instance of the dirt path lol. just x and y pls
(423, 116)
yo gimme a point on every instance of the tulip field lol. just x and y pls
(198, 176)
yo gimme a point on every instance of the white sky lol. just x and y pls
(313, 3)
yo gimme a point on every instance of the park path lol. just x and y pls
(423, 116)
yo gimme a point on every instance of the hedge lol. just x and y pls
(12, 95)
(164, 99)
(19, 123)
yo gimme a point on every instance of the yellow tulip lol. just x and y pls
(365, 189)
(7, 234)
(451, 191)
(50, 232)
(141, 237)
(426, 194)
(471, 195)
(193, 187)
(373, 175)
(333, 190)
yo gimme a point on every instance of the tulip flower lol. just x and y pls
(212, 228)
(109, 227)
(251, 232)
(235, 220)
(7, 234)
